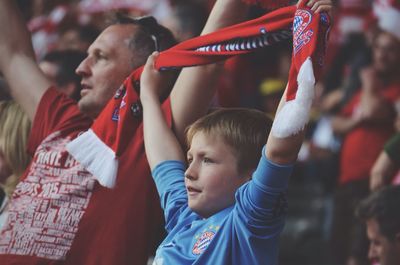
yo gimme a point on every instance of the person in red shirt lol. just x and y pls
(58, 213)
(365, 123)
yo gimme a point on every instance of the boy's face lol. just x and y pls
(381, 249)
(212, 176)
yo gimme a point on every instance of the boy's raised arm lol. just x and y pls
(284, 150)
(17, 59)
(160, 142)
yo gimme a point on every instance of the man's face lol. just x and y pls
(382, 250)
(108, 63)
(386, 53)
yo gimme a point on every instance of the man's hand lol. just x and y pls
(318, 6)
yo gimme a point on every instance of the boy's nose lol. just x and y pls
(190, 173)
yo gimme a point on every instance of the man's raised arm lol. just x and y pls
(196, 86)
(17, 60)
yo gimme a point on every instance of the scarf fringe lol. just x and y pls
(96, 157)
(295, 113)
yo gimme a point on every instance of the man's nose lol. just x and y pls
(83, 68)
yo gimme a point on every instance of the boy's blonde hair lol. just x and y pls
(245, 130)
(14, 131)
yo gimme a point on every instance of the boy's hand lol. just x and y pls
(318, 6)
(152, 81)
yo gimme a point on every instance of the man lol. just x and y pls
(380, 211)
(59, 214)
(59, 67)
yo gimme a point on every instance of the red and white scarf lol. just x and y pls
(98, 149)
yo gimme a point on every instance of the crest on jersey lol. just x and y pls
(202, 242)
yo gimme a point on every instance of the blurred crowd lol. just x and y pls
(352, 146)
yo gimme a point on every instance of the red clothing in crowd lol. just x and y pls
(362, 145)
(59, 214)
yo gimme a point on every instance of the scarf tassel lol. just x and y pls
(295, 113)
(95, 156)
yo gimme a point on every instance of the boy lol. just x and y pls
(218, 210)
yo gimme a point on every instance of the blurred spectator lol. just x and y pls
(77, 38)
(244, 75)
(342, 76)
(14, 130)
(186, 20)
(60, 66)
(380, 211)
(386, 168)
(271, 90)
(44, 27)
(365, 123)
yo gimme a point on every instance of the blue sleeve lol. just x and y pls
(169, 179)
(262, 202)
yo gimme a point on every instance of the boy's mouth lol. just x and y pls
(192, 191)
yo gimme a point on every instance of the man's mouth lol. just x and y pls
(84, 89)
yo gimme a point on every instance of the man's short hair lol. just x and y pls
(383, 206)
(245, 130)
(149, 37)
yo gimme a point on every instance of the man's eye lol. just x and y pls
(100, 56)
(189, 161)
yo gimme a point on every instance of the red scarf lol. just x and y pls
(98, 149)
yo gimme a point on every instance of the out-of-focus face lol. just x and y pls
(382, 251)
(49, 69)
(70, 41)
(386, 53)
(212, 177)
(108, 63)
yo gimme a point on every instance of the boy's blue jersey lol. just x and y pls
(245, 233)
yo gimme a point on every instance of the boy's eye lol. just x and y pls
(207, 160)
